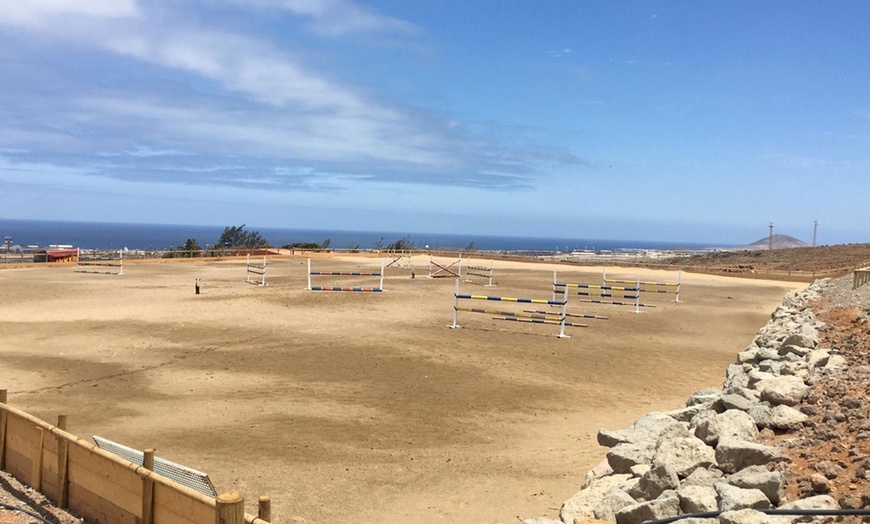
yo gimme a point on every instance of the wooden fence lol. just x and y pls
(861, 275)
(102, 487)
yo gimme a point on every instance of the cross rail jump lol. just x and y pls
(254, 273)
(479, 271)
(400, 260)
(100, 265)
(531, 317)
(437, 270)
(672, 288)
(371, 289)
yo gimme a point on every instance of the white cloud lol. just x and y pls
(335, 18)
(37, 13)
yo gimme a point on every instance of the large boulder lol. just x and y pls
(623, 457)
(684, 454)
(644, 429)
(817, 502)
(734, 455)
(653, 483)
(582, 505)
(613, 501)
(805, 339)
(732, 497)
(787, 390)
(661, 508)
(703, 477)
(785, 417)
(770, 483)
(730, 424)
(697, 499)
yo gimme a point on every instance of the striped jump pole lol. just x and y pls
(524, 316)
(102, 265)
(255, 274)
(672, 288)
(378, 289)
(479, 271)
(445, 271)
(604, 291)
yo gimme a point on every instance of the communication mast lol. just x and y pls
(770, 238)
(815, 230)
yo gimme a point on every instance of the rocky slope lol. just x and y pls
(789, 429)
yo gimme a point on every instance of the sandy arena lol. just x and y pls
(362, 406)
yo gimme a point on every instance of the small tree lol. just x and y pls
(190, 249)
(237, 237)
(403, 244)
(471, 247)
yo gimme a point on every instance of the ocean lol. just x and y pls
(99, 235)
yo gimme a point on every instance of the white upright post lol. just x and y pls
(604, 276)
(459, 272)
(309, 275)
(554, 285)
(382, 274)
(455, 305)
(263, 282)
(490, 274)
(679, 281)
(430, 265)
(121, 258)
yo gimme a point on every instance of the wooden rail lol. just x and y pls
(100, 486)
(861, 275)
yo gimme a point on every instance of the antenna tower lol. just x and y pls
(770, 238)
(815, 230)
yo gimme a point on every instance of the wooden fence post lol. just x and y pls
(2, 431)
(62, 464)
(229, 508)
(148, 488)
(36, 463)
(264, 509)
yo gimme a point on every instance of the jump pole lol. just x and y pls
(255, 270)
(676, 285)
(479, 271)
(345, 273)
(528, 317)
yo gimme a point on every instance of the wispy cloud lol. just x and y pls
(174, 99)
(336, 18)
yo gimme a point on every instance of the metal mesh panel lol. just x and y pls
(185, 476)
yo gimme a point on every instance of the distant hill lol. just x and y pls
(779, 242)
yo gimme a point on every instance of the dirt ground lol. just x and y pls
(362, 405)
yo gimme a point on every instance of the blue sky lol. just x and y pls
(684, 121)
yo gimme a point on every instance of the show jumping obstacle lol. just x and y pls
(102, 265)
(479, 271)
(436, 270)
(345, 274)
(610, 292)
(400, 260)
(531, 317)
(254, 273)
(648, 287)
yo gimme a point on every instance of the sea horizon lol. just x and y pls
(136, 236)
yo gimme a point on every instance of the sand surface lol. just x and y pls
(362, 406)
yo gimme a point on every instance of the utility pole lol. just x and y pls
(770, 238)
(815, 230)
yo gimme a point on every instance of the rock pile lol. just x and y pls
(705, 456)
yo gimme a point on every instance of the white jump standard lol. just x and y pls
(101, 265)
(479, 271)
(254, 273)
(378, 289)
(436, 270)
(531, 317)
